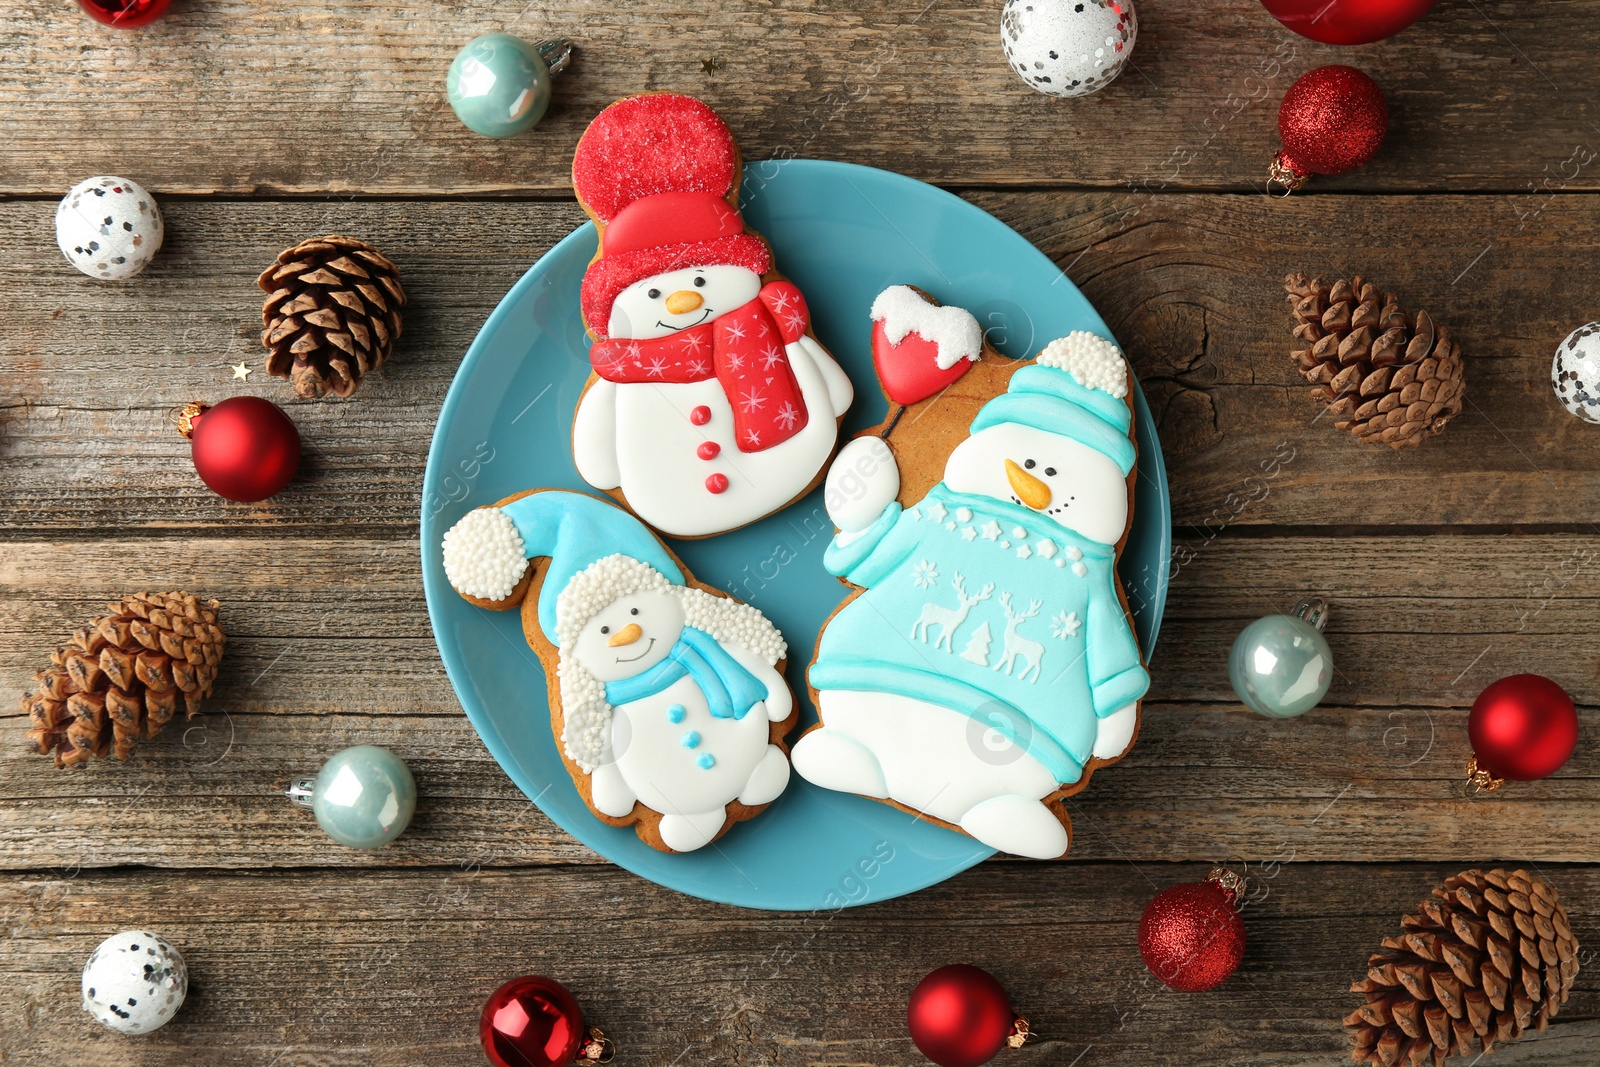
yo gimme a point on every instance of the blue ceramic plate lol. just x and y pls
(843, 233)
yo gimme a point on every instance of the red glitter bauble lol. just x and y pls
(535, 1021)
(1348, 21)
(1523, 728)
(1331, 121)
(125, 14)
(960, 1016)
(244, 448)
(1191, 936)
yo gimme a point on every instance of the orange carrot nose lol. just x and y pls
(684, 301)
(626, 636)
(1030, 490)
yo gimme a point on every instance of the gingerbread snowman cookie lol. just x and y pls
(711, 402)
(667, 697)
(986, 662)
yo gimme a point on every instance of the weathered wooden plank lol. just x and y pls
(1188, 284)
(330, 646)
(299, 98)
(391, 968)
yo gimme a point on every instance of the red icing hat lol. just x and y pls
(656, 170)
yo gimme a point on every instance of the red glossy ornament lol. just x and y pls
(1331, 121)
(1348, 21)
(535, 1021)
(244, 448)
(1524, 728)
(960, 1016)
(125, 14)
(1191, 935)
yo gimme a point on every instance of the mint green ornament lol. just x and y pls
(363, 797)
(1281, 664)
(499, 85)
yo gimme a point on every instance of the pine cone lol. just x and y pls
(127, 671)
(1387, 376)
(332, 314)
(1488, 957)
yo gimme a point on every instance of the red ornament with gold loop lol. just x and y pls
(960, 1016)
(1523, 728)
(1332, 121)
(534, 1021)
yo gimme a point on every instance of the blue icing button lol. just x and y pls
(691, 739)
(706, 761)
(676, 713)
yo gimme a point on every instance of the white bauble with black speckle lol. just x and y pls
(109, 227)
(1576, 372)
(1068, 47)
(134, 982)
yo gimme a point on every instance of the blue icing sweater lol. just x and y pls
(1032, 639)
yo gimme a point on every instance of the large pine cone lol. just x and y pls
(1488, 957)
(1387, 377)
(332, 314)
(121, 680)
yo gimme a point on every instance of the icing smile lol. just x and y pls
(704, 315)
(651, 644)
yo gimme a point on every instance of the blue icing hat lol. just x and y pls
(1052, 400)
(575, 530)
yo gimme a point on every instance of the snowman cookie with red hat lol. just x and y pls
(711, 403)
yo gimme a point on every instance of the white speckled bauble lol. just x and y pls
(134, 982)
(1576, 372)
(109, 227)
(1068, 47)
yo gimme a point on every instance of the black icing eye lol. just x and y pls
(654, 294)
(699, 282)
(1028, 463)
(633, 611)
(1049, 472)
(605, 629)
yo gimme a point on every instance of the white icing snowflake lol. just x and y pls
(1065, 625)
(700, 366)
(925, 574)
(753, 437)
(780, 302)
(797, 322)
(692, 342)
(657, 367)
(751, 401)
(990, 530)
(735, 361)
(771, 357)
(936, 511)
(736, 331)
(788, 415)
(633, 353)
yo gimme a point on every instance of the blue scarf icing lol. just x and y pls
(730, 690)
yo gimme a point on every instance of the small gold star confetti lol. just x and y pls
(711, 64)
(241, 370)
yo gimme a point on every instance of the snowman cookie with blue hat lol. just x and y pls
(667, 697)
(986, 662)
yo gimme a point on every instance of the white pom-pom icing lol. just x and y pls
(953, 330)
(585, 714)
(1093, 362)
(483, 555)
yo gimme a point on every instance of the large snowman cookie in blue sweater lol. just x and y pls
(667, 697)
(987, 662)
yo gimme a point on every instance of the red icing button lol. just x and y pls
(708, 450)
(700, 415)
(717, 483)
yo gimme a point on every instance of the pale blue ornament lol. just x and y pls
(499, 85)
(363, 797)
(1281, 665)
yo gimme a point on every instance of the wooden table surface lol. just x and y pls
(260, 124)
